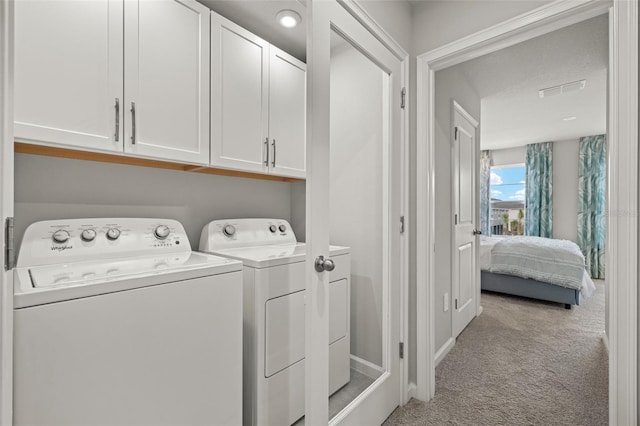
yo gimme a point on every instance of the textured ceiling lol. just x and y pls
(508, 82)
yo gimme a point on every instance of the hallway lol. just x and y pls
(522, 362)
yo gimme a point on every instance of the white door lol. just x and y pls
(287, 114)
(6, 210)
(239, 97)
(167, 80)
(342, 156)
(464, 210)
(68, 73)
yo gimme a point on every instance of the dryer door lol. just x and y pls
(284, 332)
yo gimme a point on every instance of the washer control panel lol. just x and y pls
(229, 233)
(75, 240)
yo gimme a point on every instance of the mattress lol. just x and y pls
(578, 278)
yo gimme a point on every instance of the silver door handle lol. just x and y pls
(133, 123)
(477, 232)
(266, 148)
(273, 163)
(117, 135)
(323, 264)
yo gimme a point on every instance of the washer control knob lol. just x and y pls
(113, 234)
(273, 228)
(282, 228)
(88, 235)
(61, 236)
(162, 232)
(229, 230)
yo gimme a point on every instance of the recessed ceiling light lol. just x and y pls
(569, 118)
(288, 18)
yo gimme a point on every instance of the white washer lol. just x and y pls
(274, 315)
(118, 322)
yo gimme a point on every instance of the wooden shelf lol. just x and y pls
(49, 151)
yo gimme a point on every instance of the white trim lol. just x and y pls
(6, 209)
(361, 15)
(542, 20)
(365, 367)
(411, 390)
(354, 8)
(622, 220)
(444, 350)
(622, 252)
(605, 340)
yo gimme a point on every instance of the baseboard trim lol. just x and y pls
(444, 350)
(365, 367)
(480, 310)
(412, 390)
(605, 340)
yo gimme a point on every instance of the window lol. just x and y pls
(507, 200)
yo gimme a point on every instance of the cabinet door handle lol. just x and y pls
(133, 123)
(117, 135)
(266, 148)
(273, 162)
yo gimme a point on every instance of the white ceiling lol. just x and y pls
(259, 17)
(508, 81)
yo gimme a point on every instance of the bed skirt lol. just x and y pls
(510, 284)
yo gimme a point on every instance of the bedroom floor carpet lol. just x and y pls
(521, 362)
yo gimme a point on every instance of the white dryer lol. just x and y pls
(274, 315)
(118, 322)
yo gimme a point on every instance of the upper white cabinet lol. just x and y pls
(68, 73)
(257, 103)
(167, 80)
(73, 58)
(239, 97)
(287, 114)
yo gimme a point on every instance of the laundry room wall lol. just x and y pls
(450, 84)
(57, 188)
(356, 189)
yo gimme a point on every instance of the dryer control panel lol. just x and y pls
(76, 240)
(230, 233)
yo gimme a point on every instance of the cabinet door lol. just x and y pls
(68, 73)
(287, 114)
(167, 80)
(239, 97)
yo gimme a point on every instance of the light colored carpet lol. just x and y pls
(521, 362)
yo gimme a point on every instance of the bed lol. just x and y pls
(534, 267)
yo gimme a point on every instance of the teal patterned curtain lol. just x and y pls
(485, 192)
(592, 173)
(539, 190)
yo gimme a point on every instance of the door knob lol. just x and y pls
(323, 264)
(476, 232)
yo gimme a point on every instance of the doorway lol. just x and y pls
(622, 135)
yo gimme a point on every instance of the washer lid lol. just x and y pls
(83, 273)
(273, 255)
(51, 283)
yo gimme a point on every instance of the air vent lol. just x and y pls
(574, 86)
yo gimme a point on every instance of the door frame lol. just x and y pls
(622, 175)
(6, 209)
(318, 127)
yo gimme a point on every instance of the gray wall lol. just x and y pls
(450, 84)
(57, 188)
